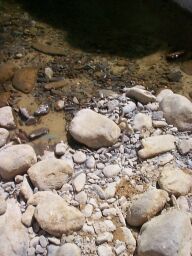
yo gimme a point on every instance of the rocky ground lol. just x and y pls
(92, 162)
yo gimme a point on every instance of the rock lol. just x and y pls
(88, 229)
(79, 182)
(129, 107)
(48, 73)
(156, 145)
(183, 203)
(43, 241)
(50, 174)
(59, 105)
(16, 159)
(6, 118)
(7, 71)
(177, 111)
(14, 238)
(104, 250)
(3, 205)
(90, 163)
(166, 235)
(111, 170)
(159, 124)
(174, 76)
(146, 206)
(140, 95)
(81, 198)
(42, 110)
(52, 249)
(79, 157)
(56, 217)
(4, 135)
(94, 130)
(68, 249)
(184, 146)
(104, 237)
(142, 122)
(88, 210)
(175, 181)
(42, 196)
(164, 93)
(27, 216)
(124, 234)
(26, 190)
(38, 133)
(110, 190)
(61, 148)
(25, 79)
(31, 251)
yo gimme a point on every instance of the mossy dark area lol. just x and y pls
(129, 28)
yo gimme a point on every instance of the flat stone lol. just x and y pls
(142, 122)
(6, 118)
(140, 95)
(79, 182)
(7, 71)
(26, 190)
(79, 157)
(27, 216)
(111, 170)
(4, 135)
(93, 129)
(14, 240)
(156, 145)
(175, 181)
(50, 174)
(25, 79)
(167, 235)
(146, 206)
(16, 159)
(177, 111)
(68, 249)
(56, 217)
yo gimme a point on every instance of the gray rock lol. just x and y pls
(43, 241)
(166, 235)
(79, 182)
(4, 135)
(184, 146)
(50, 174)
(111, 170)
(146, 206)
(81, 197)
(177, 111)
(68, 249)
(129, 107)
(14, 238)
(94, 130)
(164, 93)
(26, 190)
(61, 148)
(175, 181)
(156, 145)
(142, 122)
(140, 95)
(79, 157)
(16, 159)
(6, 118)
(88, 210)
(90, 163)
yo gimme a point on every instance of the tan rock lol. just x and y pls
(7, 71)
(4, 135)
(25, 79)
(6, 118)
(27, 216)
(156, 145)
(140, 94)
(26, 190)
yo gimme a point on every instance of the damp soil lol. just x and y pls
(96, 45)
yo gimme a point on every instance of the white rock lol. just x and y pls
(183, 203)
(61, 148)
(94, 130)
(127, 171)
(90, 163)
(50, 174)
(79, 157)
(104, 237)
(26, 190)
(49, 72)
(79, 182)
(6, 118)
(167, 235)
(156, 145)
(16, 160)
(129, 107)
(111, 170)
(164, 93)
(140, 95)
(110, 190)
(3, 205)
(104, 250)
(27, 216)
(68, 249)
(59, 105)
(142, 122)
(88, 210)
(88, 229)
(81, 197)
(175, 181)
(4, 135)
(109, 212)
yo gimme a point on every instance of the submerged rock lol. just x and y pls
(7, 71)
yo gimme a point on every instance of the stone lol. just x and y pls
(26, 190)
(110, 190)
(4, 135)
(90, 163)
(184, 146)
(146, 206)
(88, 229)
(52, 249)
(42, 196)
(81, 197)
(175, 181)
(159, 124)
(6, 118)
(183, 203)
(27, 216)
(43, 241)
(104, 237)
(177, 111)
(140, 95)
(16, 159)
(174, 76)
(50, 174)
(31, 251)
(164, 93)
(49, 72)
(111, 170)
(88, 210)
(59, 105)
(14, 238)
(104, 250)
(93, 129)
(3, 205)
(79, 157)
(7, 71)
(129, 107)
(24, 79)
(142, 122)
(124, 234)
(156, 145)
(68, 249)
(56, 217)
(166, 235)
(61, 148)
(79, 182)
